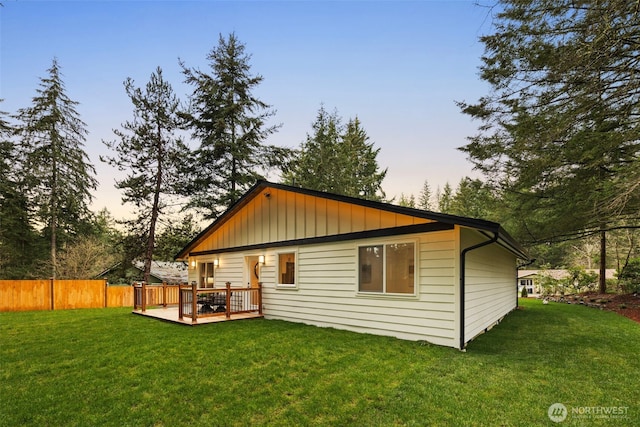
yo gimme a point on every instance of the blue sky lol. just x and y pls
(399, 66)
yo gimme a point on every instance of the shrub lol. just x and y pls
(549, 285)
(629, 277)
(580, 280)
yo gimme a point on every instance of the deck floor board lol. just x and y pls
(170, 314)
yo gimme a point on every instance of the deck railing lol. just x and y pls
(154, 295)
(196, 302)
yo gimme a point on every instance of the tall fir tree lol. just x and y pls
(560, 127)
(148, 149)
(363, 177)
(474, 199)
(337, 159)
(230, 124)
(58, 175)
(424, 198)
(444, 198)
(317, 164)
(407, 201)
(18, 239)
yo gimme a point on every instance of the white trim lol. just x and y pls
(384, 293)
(246, 271)
(278, 273)
(203, 262)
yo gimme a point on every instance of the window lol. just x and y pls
(387, 268)
(206, 275)
(526, 282)
(287, 268)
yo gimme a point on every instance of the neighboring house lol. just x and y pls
(161, 272)
(337, 261)
(531, 278)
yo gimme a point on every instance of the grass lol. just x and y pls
(109, 367)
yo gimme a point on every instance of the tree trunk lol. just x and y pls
(603, 259)
(155, 209)
(53, 205)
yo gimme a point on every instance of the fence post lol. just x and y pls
(260, 298)
(106, 294)
(194, 302)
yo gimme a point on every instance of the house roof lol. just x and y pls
(165, 271)
(559, 274)
(491, 229)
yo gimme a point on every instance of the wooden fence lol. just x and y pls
(24, 295)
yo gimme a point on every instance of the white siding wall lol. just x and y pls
(231, 269)
(327, 291)
(490, 284)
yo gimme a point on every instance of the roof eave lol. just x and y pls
(479, 224)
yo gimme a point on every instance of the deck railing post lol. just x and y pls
(135, 296)
(260, 297)
(180, 302)
(194, 302)
(228, 300)
(164, 294)
(144, 296)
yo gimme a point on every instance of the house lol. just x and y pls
(531, 279)
(336, 261)
(161, 272)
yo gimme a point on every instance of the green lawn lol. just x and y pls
(109, 367)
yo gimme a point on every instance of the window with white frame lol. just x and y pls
(387, 269)
(286, 269)
(206, 279)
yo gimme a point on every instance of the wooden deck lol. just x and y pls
(190, 305)
(170, 314)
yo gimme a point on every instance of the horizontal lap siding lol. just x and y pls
(231, 269)
(327, 293)
(490, 285)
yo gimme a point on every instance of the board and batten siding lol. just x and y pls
(285, 215)
(490, 284)
(327, 290)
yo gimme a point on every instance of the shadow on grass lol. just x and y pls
(537, 331)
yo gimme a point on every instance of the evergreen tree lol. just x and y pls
(174, 236)
(407, 201)
(337, 159)
(230, 124)
(424, 198)
(362, 175)
(58, 176)
(18, 239)
(317, 164)
(560, 127)
(472, 199)
(445, 198)
(148, 149)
